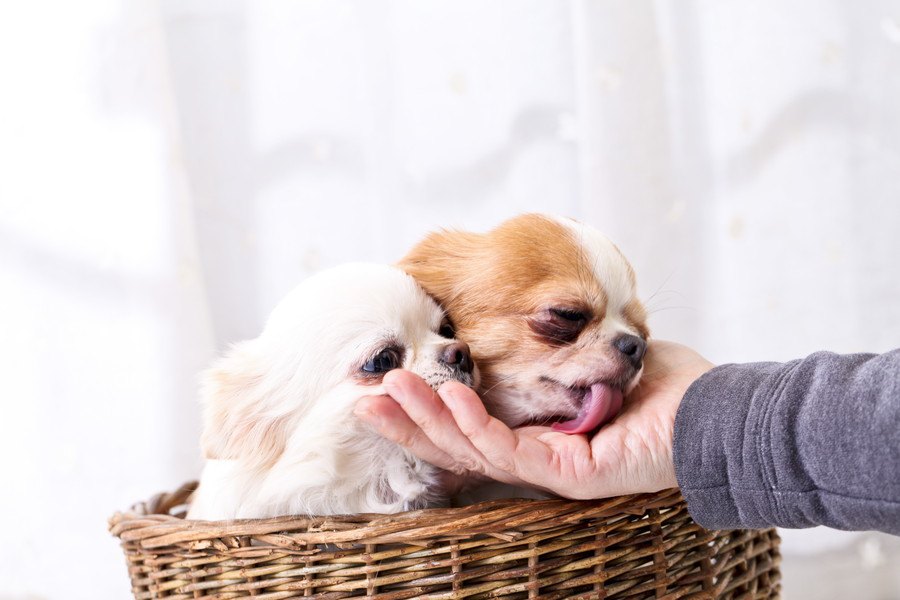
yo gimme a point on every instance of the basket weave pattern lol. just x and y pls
(643, 546)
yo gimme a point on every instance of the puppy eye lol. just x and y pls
(447, 330)
(569, 314)
(386, 360)
(560, 325)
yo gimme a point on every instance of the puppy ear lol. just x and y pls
(441, 263)
(241, 420)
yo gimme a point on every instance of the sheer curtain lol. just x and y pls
(171, 169)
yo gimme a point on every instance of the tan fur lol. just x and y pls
(636, 315)
(493, 284)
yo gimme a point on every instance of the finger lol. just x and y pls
(522, 457)
(389, 420)
(430, 413)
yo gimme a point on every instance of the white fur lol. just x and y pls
(280, 433)
(610, 267)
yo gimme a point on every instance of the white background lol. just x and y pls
(168, 170)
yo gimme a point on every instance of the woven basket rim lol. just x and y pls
(622, 547)
(151, 523)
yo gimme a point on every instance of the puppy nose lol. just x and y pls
(457, 355)
(632, 348)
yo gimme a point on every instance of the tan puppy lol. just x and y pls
(548, 307)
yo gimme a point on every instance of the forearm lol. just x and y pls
(810, 442)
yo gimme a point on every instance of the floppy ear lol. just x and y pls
(440, 263)
(241, 417)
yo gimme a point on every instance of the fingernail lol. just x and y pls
(394, 391)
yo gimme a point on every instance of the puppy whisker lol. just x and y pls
(500, 381)
(668, 308)
(661, 287)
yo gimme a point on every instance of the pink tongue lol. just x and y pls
(600, 404)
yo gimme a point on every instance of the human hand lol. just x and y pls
(632, 454)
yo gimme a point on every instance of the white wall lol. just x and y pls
(169, 169)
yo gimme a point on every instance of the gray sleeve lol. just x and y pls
(810, 442)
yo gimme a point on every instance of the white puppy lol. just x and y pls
(280, 436)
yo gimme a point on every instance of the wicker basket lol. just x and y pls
(643, 546)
